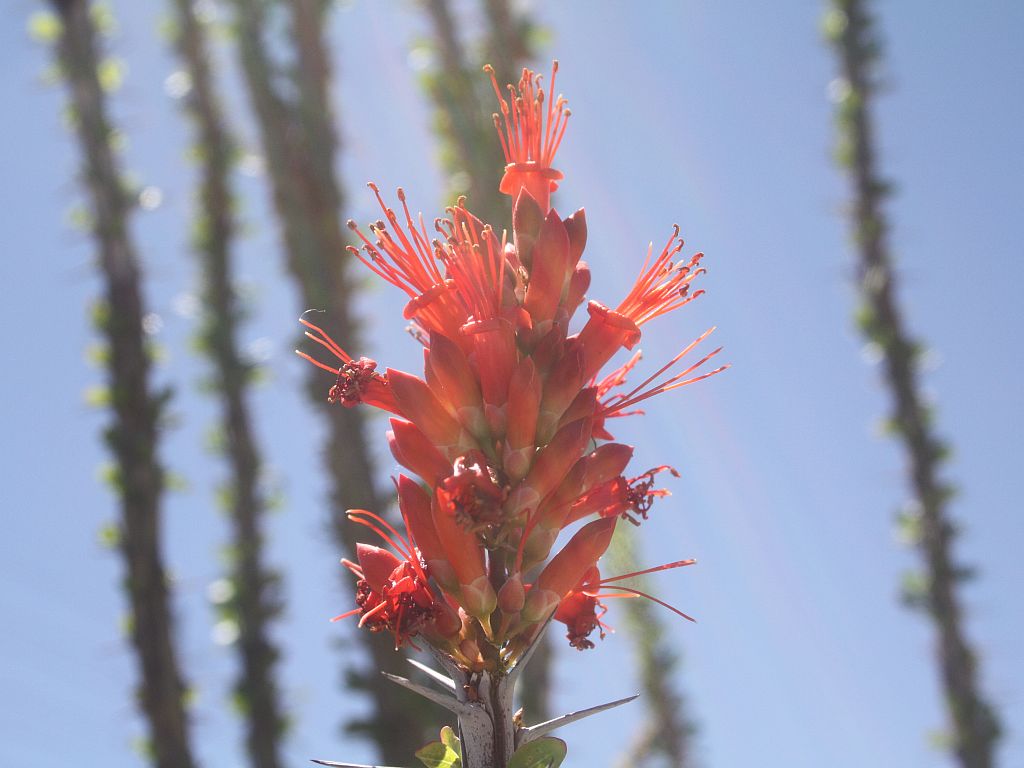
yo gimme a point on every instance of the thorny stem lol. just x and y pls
(976, 727)
(137, 407)
(254, 602)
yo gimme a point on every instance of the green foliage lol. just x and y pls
(111, 72)
(446, 753)
(97, 396)
(547, 752)
(103, 19)
(44, 27)
(914, 590)
(109, 536)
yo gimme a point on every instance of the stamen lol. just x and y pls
(317, 363)
(408, 262)
(325, 339)
(663, 285)
(346, 614)
(645, 572)
(356, 516)
(652, 598)
(616, 404)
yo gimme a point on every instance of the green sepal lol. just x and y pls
(548, 752)
(446, 753)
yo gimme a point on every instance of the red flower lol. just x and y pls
(392, 593)
(530, 132)
(505, 427)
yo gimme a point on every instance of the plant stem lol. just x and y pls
(137, 406)
(300, 146)
(254, 602)
(975, 725)
(668, 731)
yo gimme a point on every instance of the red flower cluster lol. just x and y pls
(506, 435)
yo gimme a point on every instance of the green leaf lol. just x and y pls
(442, 754)
(450, 740)
(548, 752)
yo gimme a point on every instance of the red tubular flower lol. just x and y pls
(568, 568)
(629, 499)
(530, 135)
(357, 380)
(415, 452)
(524, 394)
(505, 426)
(459, 386)
(392, 592)
(495, 357)
(421, 406)
(551, 272)
(414, 504)
(606, 332)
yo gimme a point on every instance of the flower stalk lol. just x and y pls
(506, 435)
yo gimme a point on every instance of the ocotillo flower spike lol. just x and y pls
(507, 429)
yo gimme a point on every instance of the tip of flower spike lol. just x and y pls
(530, 131)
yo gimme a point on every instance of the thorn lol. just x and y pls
(526, 735)
(449, 703)
(443, 679)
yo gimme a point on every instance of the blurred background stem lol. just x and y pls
(666, 735)
(300, 146)
(137, 406)
(253, 598)
(975, 728)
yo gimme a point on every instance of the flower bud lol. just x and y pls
(523, 407)
(576, 229)
(527, 219)
(466, 556)
(494, 357)
(478, 598)
(555, 460)
(560, 389)
(377, 565)
(447, 622)
(578, 285)
(423, 409)
(512, 594)
(550, 271)
(414, 502)
(457, 381)
(413, 451)
(568, 568)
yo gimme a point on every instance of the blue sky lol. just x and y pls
(714, 116)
